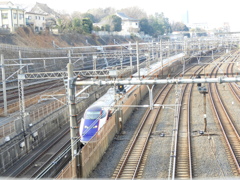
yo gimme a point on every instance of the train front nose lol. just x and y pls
(89, 130)
(85, 138)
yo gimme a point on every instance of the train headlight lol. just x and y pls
(95, 126)
(85, 127)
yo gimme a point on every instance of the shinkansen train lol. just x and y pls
(99, 112)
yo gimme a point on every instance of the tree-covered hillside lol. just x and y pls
(84, 23)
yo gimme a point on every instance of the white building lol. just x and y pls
(11, 16)
(41, 17)
(129, 24)
(36, 20)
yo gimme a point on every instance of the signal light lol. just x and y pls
(120, 88)
(199, 84)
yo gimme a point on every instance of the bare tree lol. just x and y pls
(134, 12)
(100, 13)
(76, 14)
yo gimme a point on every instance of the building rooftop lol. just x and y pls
(125, 17)
(40, 8)
(8, 4)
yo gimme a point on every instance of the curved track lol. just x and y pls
(234, 88)
(230, 133)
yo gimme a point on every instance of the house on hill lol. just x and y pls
(11, 16)
(36, 20)
(41, 17)
(44, 9)
(129, 24)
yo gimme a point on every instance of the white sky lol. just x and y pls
(214, 12)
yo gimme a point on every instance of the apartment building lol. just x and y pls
(11, 16)
(36, 20)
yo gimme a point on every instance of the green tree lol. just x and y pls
(87, 25)
(90, 16)
(145, 27)
(160, 24)
(116, 23)
(96, 28)
(106, 27)
(76, 25)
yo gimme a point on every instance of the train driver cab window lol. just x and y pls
(92, 115)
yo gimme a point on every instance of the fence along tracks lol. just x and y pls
(230, 134)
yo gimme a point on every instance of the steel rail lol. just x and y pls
(179, 169)
(179, 152)
(182, 167)
(233, 87)
(119, 171)
(41, 169)
(27, 164)
(230, 134)
(124, 161)
(188, 132)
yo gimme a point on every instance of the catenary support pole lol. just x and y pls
(161, 56)
(72, 108)
(130, 49)
(205, 111)
(73, 118)
(22, 103)
(138, 67)
(69, 56)
(4, 86)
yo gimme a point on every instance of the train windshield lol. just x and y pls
(95, 114)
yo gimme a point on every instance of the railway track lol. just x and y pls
(183, 167)
(234, 88)
(230, 133)
(40, 158)
(32, 95)
(137, 152)
(130, 164)
(12, 94)
(35, 166)
(180, 166)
